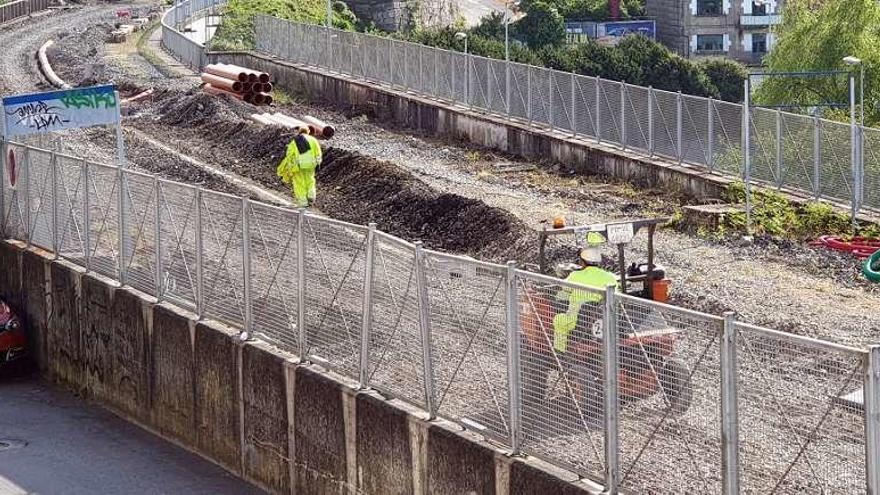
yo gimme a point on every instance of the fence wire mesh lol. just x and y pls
(669, 392)
(104, 219)
(796, 433)
(40, 180)
(274, 276)
(396, 347)
(70, 191)
(637, 121)
(222, 262)
(562, 384)
(872, 168)
(178, 208)
(469, 342)
(15, 208)
(139, 252)
(334, 287)
(665, 131)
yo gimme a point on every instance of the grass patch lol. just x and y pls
(144, 50)
(773, 214)
(237, 30)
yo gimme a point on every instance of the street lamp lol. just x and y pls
(460, 36)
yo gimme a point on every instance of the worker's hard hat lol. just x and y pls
(595, 239)
(591, 254)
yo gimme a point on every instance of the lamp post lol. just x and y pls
(852, 61)
(462, 36)
(329, 21)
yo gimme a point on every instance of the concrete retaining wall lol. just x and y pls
(435, 118)
(286, 427)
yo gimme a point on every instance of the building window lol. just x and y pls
(759, 7)
(759, 43)
(709, 7)
(710, 42)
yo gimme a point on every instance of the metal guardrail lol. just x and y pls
(20, 8)
(190, 52)
(803, 155)
(672, 400)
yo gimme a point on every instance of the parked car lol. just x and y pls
(13, 341)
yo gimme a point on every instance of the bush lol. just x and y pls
(728, 76)
(541, 26)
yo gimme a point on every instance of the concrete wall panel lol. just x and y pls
(265, 417)
(525, 478)
(319, 434)
(384, 453)
(216, 394)
(34, 294)
(457, 464)
(172, 374)
(62, 334)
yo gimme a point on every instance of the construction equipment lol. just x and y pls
(646, 341)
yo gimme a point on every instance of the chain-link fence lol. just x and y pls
(21, 8)
(700, 132)
(187, 50)
(629, 392)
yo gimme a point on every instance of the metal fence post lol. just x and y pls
(747, 154)
(651, 120)
(87, 224)
(598, 111)
(507, 87)
(817, 156)
(121, 224)
(710, 153)
(872, 419)
(678, 127)
(246, 264)
(529, 93)
(623, 115)
(301, 285)
(550, 94)
(56, 240)
(425, 328)
(367, 323)
(27, 193)
(157, 229)
(513, 363)
(609, 333)
(574, 131)
(854, 149)
(779, 148)
(200, 269)
(729, 408)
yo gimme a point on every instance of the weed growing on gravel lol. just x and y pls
(773, 214)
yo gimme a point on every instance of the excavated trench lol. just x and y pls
(352, 187)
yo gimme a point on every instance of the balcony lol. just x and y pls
(762, 20)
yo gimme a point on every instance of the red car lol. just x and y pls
(13, 341)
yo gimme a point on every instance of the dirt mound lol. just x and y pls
(197, 108)
(359, 189)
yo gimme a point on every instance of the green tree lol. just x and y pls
(728, 76)
(491, 26)
(542, 25)
(816, 36)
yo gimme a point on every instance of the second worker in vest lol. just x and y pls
(297, 168)
(578, 303)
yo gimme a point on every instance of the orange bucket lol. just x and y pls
(660, 290)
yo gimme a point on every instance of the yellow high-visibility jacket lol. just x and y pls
(294, 161)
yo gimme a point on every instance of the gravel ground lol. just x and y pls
(810, 293)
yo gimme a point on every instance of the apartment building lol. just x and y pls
(738, 29)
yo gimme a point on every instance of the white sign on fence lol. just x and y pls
(58, 110)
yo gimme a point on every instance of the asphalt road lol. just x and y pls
(52, 442)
